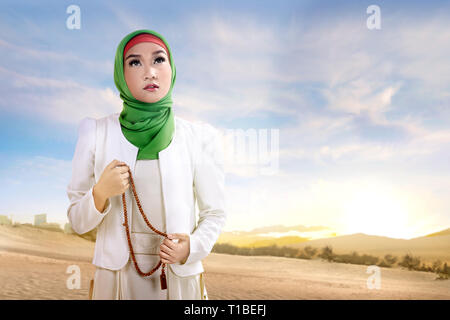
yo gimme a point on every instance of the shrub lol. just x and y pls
(436, 265)
(384, 264)
(390, 259)
(355, 258)
(327, 253)
(410, 262)
(310, 251)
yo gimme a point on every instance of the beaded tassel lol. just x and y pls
(163, 279)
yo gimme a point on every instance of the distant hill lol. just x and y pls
(258, 237)
(257, 241)
(429, 247)
(282, 228)
(445, 232)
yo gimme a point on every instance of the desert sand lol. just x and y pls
(34, 262)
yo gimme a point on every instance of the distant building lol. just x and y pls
(40, 219)
(5, 220)
(68, 228)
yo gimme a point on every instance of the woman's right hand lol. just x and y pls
(115, 179)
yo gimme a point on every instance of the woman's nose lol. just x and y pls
(150, 73)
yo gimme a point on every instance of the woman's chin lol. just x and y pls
(149, 99)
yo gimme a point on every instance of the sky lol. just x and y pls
(357, 118)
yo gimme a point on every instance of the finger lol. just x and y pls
(123, 168)
(165, 256)
(177, 236)
(119, 163)
(163, 260)
(169, 243)
(125, 175)
(166, 249)
(166, 261)
(113, 163)
(178, 239)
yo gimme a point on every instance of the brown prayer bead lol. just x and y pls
(125, 224)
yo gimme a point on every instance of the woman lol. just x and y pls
(174, 164)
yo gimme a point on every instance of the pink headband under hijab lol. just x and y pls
(145, 37)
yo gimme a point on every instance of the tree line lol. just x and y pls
(407, 261)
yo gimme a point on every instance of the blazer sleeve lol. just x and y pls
(82, 213)
(209, 190)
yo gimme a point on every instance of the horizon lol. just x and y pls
(266, 233)
(356, 118)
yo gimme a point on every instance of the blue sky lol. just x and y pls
(362, 114)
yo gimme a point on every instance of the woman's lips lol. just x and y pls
(151, 87)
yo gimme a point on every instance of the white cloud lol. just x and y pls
(231, 71)
(29, 53)
(423, 144)
(61, 101)
(244, 65)
(129, 18)
(360, 95)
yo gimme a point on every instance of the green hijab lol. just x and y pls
(148, 126)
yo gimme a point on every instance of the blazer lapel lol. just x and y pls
(127, 152)
(167, 158)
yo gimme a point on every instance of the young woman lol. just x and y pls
(174, 163)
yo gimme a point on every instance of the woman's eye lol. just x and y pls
(131, 63)
(137, 62)
(160, 59)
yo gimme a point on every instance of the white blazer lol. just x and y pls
(191, 169)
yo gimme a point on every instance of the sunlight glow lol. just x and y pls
(376, 211)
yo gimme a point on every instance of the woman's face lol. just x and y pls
(147, 63)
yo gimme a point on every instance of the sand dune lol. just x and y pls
(428, 248)
(41, 242)
(34, 264)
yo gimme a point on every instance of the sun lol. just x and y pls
(376, 211)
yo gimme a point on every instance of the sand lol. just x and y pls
(37, 270)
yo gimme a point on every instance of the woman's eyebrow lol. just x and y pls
(138, 55)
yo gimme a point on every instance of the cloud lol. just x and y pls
(231, 71)
(338, 79)
(243, 65)
(421, 142)
(58, 100)
(358, 96)
(39, 56)
(129, 18)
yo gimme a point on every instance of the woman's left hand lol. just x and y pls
(172, 252)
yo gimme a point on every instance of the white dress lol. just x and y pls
(126, 283)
